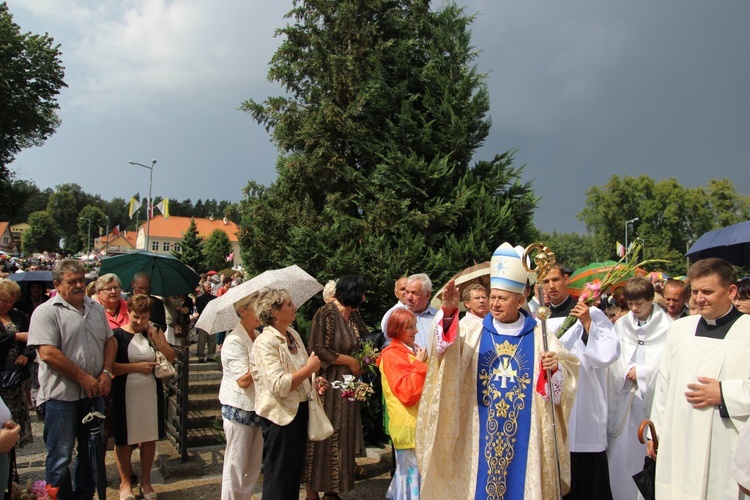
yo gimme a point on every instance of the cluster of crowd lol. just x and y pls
(489, 405)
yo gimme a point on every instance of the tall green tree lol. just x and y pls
(671, 216)
(90, 220)
(20, 199)
(191, 248)
(383, 111)
(32, 74)
(215, 250)
(65, 205)
(726, 204)
(43, 235)
(572, 249)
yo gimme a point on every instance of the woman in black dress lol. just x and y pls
(137, 395)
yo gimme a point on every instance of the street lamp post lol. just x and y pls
(88, 233)
(627, 223)
(148, 208)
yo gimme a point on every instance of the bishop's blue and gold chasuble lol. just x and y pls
(505, 374)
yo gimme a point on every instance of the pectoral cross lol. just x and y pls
(505, 372)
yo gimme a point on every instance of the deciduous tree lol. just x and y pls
(671, 216)
(43, 235)
(32, 74)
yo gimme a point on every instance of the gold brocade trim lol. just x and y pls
(505, 398)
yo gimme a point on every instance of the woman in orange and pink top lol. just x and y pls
(108, 290)
(403, 369)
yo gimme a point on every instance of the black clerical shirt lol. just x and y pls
(718, 329)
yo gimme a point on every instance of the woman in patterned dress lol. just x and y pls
(335, 336)
(137, 395)
(14, 328)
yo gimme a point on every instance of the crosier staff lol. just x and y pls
(543, 260)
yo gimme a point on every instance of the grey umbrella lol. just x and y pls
(219, 315)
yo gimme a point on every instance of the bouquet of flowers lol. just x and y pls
(38, 490)
(353, 389)
(592, 291)
(367, 355)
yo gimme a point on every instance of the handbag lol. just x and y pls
(319, 427)
(164, 369)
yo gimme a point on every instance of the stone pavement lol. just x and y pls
(200, 476)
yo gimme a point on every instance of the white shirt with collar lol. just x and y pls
(587, 426)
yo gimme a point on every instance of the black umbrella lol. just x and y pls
(731, 243)
(95, 421)
(44, 277)
(646, 479)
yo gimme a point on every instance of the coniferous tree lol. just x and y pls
(191, 248)
(383, 111)
(216, 249)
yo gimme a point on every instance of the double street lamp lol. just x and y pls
(148, 208)
(628, 223)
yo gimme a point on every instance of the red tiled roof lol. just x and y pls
(4, 226)
(175, 227)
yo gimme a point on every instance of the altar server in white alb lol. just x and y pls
(702, 396)
(642, 334)
(593, 341)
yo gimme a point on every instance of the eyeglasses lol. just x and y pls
(110, 289)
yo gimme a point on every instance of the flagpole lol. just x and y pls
(148, 208)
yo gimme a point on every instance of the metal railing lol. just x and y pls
(178, 393)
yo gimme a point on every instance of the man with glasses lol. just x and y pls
(77, 351)
(141, 284)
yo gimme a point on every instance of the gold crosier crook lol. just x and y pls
(543, 260)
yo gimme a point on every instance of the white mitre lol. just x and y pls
(506, 270)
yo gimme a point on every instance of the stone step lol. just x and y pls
(209, 386)
(197, 417)
(200, 402)
(205, 375)
(204, 419)
(202, 367)
(205, 437)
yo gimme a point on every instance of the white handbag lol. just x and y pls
(319, 427)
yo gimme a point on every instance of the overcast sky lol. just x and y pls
(582, 89)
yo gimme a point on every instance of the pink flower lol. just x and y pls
(38, 487)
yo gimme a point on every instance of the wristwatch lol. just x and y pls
(111, 375)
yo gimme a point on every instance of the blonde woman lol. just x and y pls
(281, 370)
(244, 452)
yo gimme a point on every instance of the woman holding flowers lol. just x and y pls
(403, 369)
(335, 337)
